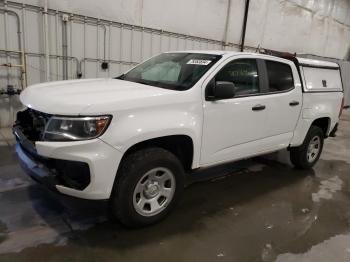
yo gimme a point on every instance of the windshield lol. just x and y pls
(178, 71)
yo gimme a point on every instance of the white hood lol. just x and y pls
(90, 96)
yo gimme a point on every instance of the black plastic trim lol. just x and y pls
(263, 79)
(52, 172)
(324, 91)
(334, 131)
(23, 140)
(258, 107)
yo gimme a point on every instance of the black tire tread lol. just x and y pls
(298, 154)
(128, 170)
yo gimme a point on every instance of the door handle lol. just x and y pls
(258, 107)
(294, 103)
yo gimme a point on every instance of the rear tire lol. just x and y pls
(148, 185)
(307, 155)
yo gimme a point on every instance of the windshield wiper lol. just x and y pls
(121, 77)
(148, 82)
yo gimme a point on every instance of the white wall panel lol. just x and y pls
(205, 18)
(320, 27)
(126, 45)
(34, 37)
(78, 40)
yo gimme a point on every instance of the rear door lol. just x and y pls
(284, 92)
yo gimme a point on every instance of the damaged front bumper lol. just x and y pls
(83, 169)
(35, 170)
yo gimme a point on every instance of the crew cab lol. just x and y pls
(131, 139)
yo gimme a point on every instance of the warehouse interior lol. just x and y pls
(256, 209)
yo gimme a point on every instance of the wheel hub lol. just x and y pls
(154, 191)
(151, 190)
(313, 149)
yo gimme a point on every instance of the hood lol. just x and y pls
(90, 96)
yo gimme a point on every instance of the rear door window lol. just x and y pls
(280, 76)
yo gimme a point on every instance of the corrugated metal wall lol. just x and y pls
(320, 27)
(127, 32)
(90, 41)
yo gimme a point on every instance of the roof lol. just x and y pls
(302, 61)
(211, 52)
(220, 52)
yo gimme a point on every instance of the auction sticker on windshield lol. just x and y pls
(198, 62)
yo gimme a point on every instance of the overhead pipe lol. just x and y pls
(104, 64)
(46, 42)
(109, 45)
(6, 29)
(57, 42)
(227, 24)
(245, 19)
(97, 45)
(23, 44)
(15, 52)
(20, 47)
(71, 17)
(65, 19)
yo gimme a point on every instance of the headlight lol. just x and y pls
(75, 128)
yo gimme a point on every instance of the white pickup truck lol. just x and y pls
(132, 139)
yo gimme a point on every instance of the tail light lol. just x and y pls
(341, 106)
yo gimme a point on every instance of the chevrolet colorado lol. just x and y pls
(133, 138)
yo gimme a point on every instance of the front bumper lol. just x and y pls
(101, 158)
(38, 172)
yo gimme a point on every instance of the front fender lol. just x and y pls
(129, 129)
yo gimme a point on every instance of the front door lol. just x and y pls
(235, 128)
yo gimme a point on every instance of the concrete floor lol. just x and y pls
(258, 210)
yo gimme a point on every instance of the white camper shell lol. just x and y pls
(320, 76)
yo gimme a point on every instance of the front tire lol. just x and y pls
(307, 155)
(148, 185)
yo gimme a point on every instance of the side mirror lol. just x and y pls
(224, 90)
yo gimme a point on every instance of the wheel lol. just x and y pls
(147, 187)
(306, 155)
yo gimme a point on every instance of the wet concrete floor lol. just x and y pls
(255, 210)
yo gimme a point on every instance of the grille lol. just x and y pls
(32, 123)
